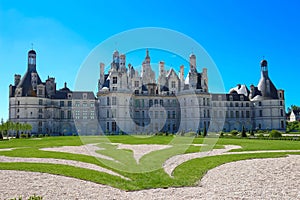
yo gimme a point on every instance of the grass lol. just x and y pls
(148, 173)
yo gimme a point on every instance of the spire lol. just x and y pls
(147, 59)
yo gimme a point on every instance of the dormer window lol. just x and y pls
(242, 98)
(115, 80)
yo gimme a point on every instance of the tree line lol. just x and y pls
(10, 129)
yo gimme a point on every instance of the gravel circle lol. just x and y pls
(271, 178)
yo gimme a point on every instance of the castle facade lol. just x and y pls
(129, 101)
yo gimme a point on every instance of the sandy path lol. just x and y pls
(272, 178)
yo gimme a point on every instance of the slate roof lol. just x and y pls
(26, 86)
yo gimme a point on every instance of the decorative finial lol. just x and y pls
(31, 46)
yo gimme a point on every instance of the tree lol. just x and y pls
(8, 127)
(1, 130)
(244, 132)
(17, 129)
(204, 130)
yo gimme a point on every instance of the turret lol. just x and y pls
(17, 79)
(123, 62)
(193, 63)
(265, 85)
(31, 61)
(162, 68)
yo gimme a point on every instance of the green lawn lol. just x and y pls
(148, 173)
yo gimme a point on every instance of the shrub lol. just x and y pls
(23, 135)
(40, 135)
(234, 132)
(221, 134)
(275, 134)
(261, 135)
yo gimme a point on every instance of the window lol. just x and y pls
(169, 114)
(107, 101)
(242, 98)
(247, 114)
(107, 113)
(92, 114)
(242, 114)
(107, 126)
(260, 113)
(69, 114)
(69, 103)
(114, 101)
(77, 114)
(62, 114)
(247, 104)
(231, 104)
(231, 114)
(137, 103)
(281, 112)
(173, 84)
(115, 80)
(40, 91)
(40, 110)
(259, 103)
(156, 114)
(236, 104)
(220, 113)
(155, 101)
(161, 114)
(114, 126)
(150, 102)
(84, 115)
(77, 103)
(161, 102)
(84, 104)
(174, 102)
(237, 114)
(114, 88)
(92, 104)
(136, 84)
(40, 102)
(62, 103)
(230, 98)
(281, 103)
(282, 124)
(208, 114)
(18, 110)
(173, 114)
(136, 91)
(143, 102)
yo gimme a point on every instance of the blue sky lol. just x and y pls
(236, 34)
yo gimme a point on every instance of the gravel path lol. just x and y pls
(170, 164)
(88, 149)
(62, 162)
(272, 178)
